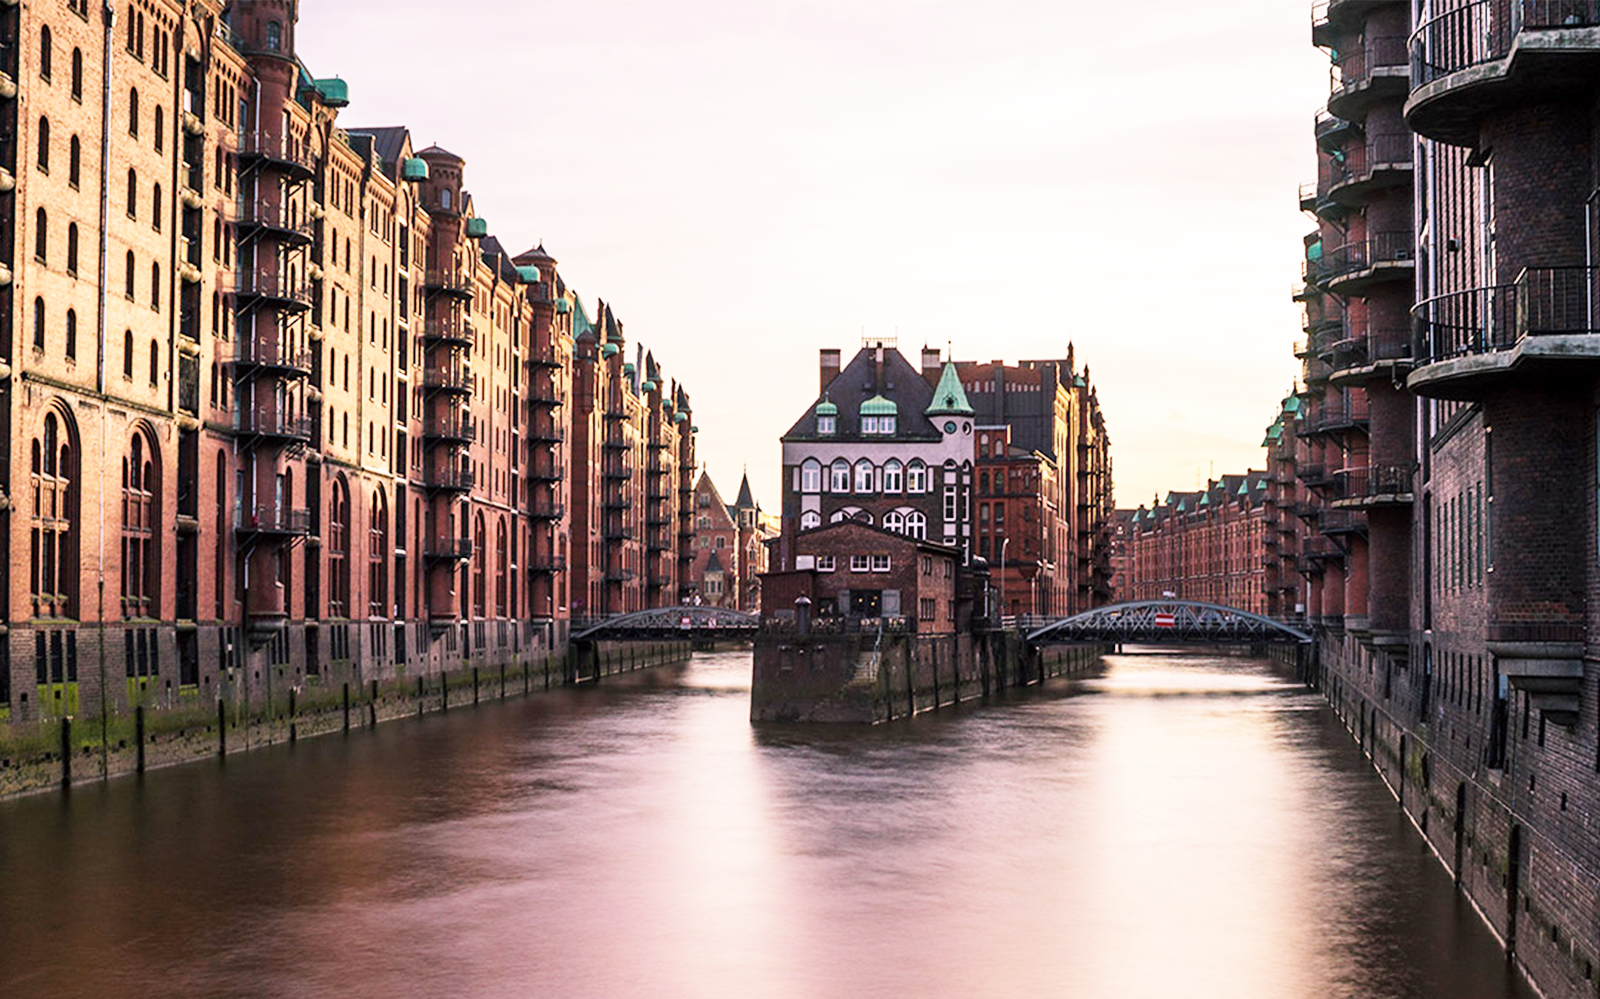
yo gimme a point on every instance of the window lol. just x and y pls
(949, 507)
(860, 563)
(892, 477)
(41, 236)
(53, 577)
(378, 555)
(72, 248)
(141, 563)
(155, 287)
(127, 354)
(38, 324)
(274, 36)
(827, 424)
(127, 288)
(133, 112)
(916, 525)
(840, 476)
(339, 550)
(77, 74)
(45, 53)
(72, 335)
(74, 154)
(895, 521)
(810, 519)
(927, 609)
(155, 362)
(811, 476)
(916, 477)
(480, 554)
(864, 472)
(44, 145)
(133, 194)
(880, 563)
(825, 563)
(155, 208)
(160, 127)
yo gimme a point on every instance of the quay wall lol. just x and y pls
(862, 679)
(116, 727)
(1510, 820)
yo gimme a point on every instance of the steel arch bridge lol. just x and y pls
(677, 622)
(1161, 621)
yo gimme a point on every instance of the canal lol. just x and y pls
(1174, 825)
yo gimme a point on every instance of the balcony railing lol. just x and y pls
(1385, 151)
(1375, 481)
(548, 472)
(547, 435)
(1543, 301)
(449, 281)
(460, 429)
(456, 379)
(273, 354)
(545, 357)
(254, 145)
(1476, 33)
(270, 518)
(277, 217)
(1365, 254)
(451, 331)
(450, 548)
(451, 479)
(1364, 349)
(272, 284)
(548, 563)
(546, 510)
(271, 425)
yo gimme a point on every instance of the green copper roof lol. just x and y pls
(1261, 483)
(1205, 499)
(609, 350)
(1244, 488)
(879, 406)
(562, 306)
(1291, 404)
(1183, 506)
(335, 92)
(1314, 251)
(949, 399)
(477, 228)
(627, 369)
(414, 169)
(679, 417)
(649, 385)
(529, 275)
(827, 408)
(1078, 382)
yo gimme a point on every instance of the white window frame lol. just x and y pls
(916, 477)
(880, 563)
(894, 521)
(893, 476)
(865, 474)
(839, 476)
(860, 563)
(811, 476)
(825, 563)
(810, 519)
(828, 425)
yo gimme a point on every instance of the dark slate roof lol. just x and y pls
(900, 383)
(387, 141)
(536, 255)
(495, 256)
(713, 564)
(746, 501)
(439, 152)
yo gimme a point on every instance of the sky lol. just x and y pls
(748, 182)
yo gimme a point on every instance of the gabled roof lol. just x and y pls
(388, 142)
(713, 564)
(896, 383)
(949, 398)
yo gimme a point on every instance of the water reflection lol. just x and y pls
(1174, 825)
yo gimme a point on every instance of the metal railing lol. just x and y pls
(274, 425)
(1387, 149)
(547, 510)
(1364, 254)
(266, 516)
(449, 280)
(450, 548)
(458, 428)
(1356, 67)
(461, 479)
(456, 378)
(449, 330)
(1375, 480)
(272, 284)
(1543, 301)
(274, 354)
(272, 216)
(1483, 31)
(294, 154)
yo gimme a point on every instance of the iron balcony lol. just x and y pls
(255, 218)
(273, 426)
(545, 357)
(271, 357)
(454, 332)
(256, 149)
(271, 288)
(1375, 69)
(548, 472)
(1375, 486)
(545, 564)
(547, 435)
(546, 510)
(456, 284)
(450, 480)
(450, 430)
(1359, 265)
(455, 380)
(449, 549)
(1382, 162)
(266, 519)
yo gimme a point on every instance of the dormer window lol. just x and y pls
(878, 416)
(877, 424)
(827, 424)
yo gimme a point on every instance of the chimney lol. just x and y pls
(829, 368)
(931, 367)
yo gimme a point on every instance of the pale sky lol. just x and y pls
(747, 182)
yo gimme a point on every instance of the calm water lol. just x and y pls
(1177, 826)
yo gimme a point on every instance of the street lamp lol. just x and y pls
(1003, 542)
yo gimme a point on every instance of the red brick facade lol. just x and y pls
(1210, 545)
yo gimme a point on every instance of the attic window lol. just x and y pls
(827, 424)
(877, 424)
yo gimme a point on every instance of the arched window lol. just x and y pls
(72, 248)
(77, 74)
(811, 476)
(219, 555)
(74, 155)
(128, 283)
(127, 353)
(810, 519)
(378, 555)
(157, 133)
(53, 577)
(38, 324)
(44, 145)
(155, 208)
(339, 549)
(480, 554)
(864, 476)
(133, 111)
(41, 236)
(983, 483)
(274, 36)
(72, 334)
(500, 569)
(141, 560)
(893, 478)
(133, 28)
(916, 524)
(916, 477)
(155, 362)
(133, 193)
(155, 286)
(444, 202)
(839, 476)
(894, 521)
(45, 52)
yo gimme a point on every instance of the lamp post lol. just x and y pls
(1003, 542)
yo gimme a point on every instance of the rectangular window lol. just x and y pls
(824, 563)
(827, 424)
(859, 563)
(880, 563)
(949, 507)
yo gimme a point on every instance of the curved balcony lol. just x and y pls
(254, 219)
(271, 358)
(453, 380)
(622, 501)
(1331, 130)
(546, 357)
(1342, 523)
(547, 435)
(266, 520)
(546, 510)
(1374, 486)
(547, 397)
(450, 480)
(1486, 55)
(1337, 420)
(257, 150)
(449, 430)
(1330, 18)
(1542, 326)
(547, 564)
(449, 549)
(1358, 266)
(1376, 70)
(1381, 163)
(273, 427)
(1380, 356)
(271, 288)
(448, 282)
(451, 332)
(546, 472)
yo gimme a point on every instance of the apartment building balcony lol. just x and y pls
(270, 357)
(450, 480)
(450, 332)
(254, 219)
(547, 435)
(615, 412)
(546, 472)
(1382, 162)
(271, 288)
(257, 150)
(621, 501)
(1542, 326)
(269, 520)
(1358, 266)
(449, 549)
(1331, 18)
(546, 397)
(449, 430)
(1375, 70)
(1339, 420)
(546, 357)
(546, 510)
(1374, 486)
(1341, 523)
(274, 427)
(1331, 130)
(619, 532)
(1372, 356)
(622, 471)
(1480, 57)
(454, 380)
(620, 575)
(547, 564)
(657, 542)
(615, 442)
(455, 284)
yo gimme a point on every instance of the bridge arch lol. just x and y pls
(1167, 621)
(683, 621)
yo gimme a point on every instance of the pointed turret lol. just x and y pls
(949, 398)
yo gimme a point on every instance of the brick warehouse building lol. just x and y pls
(730, 548)
(1445, 446)
(1209, 545)
(285, 412)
